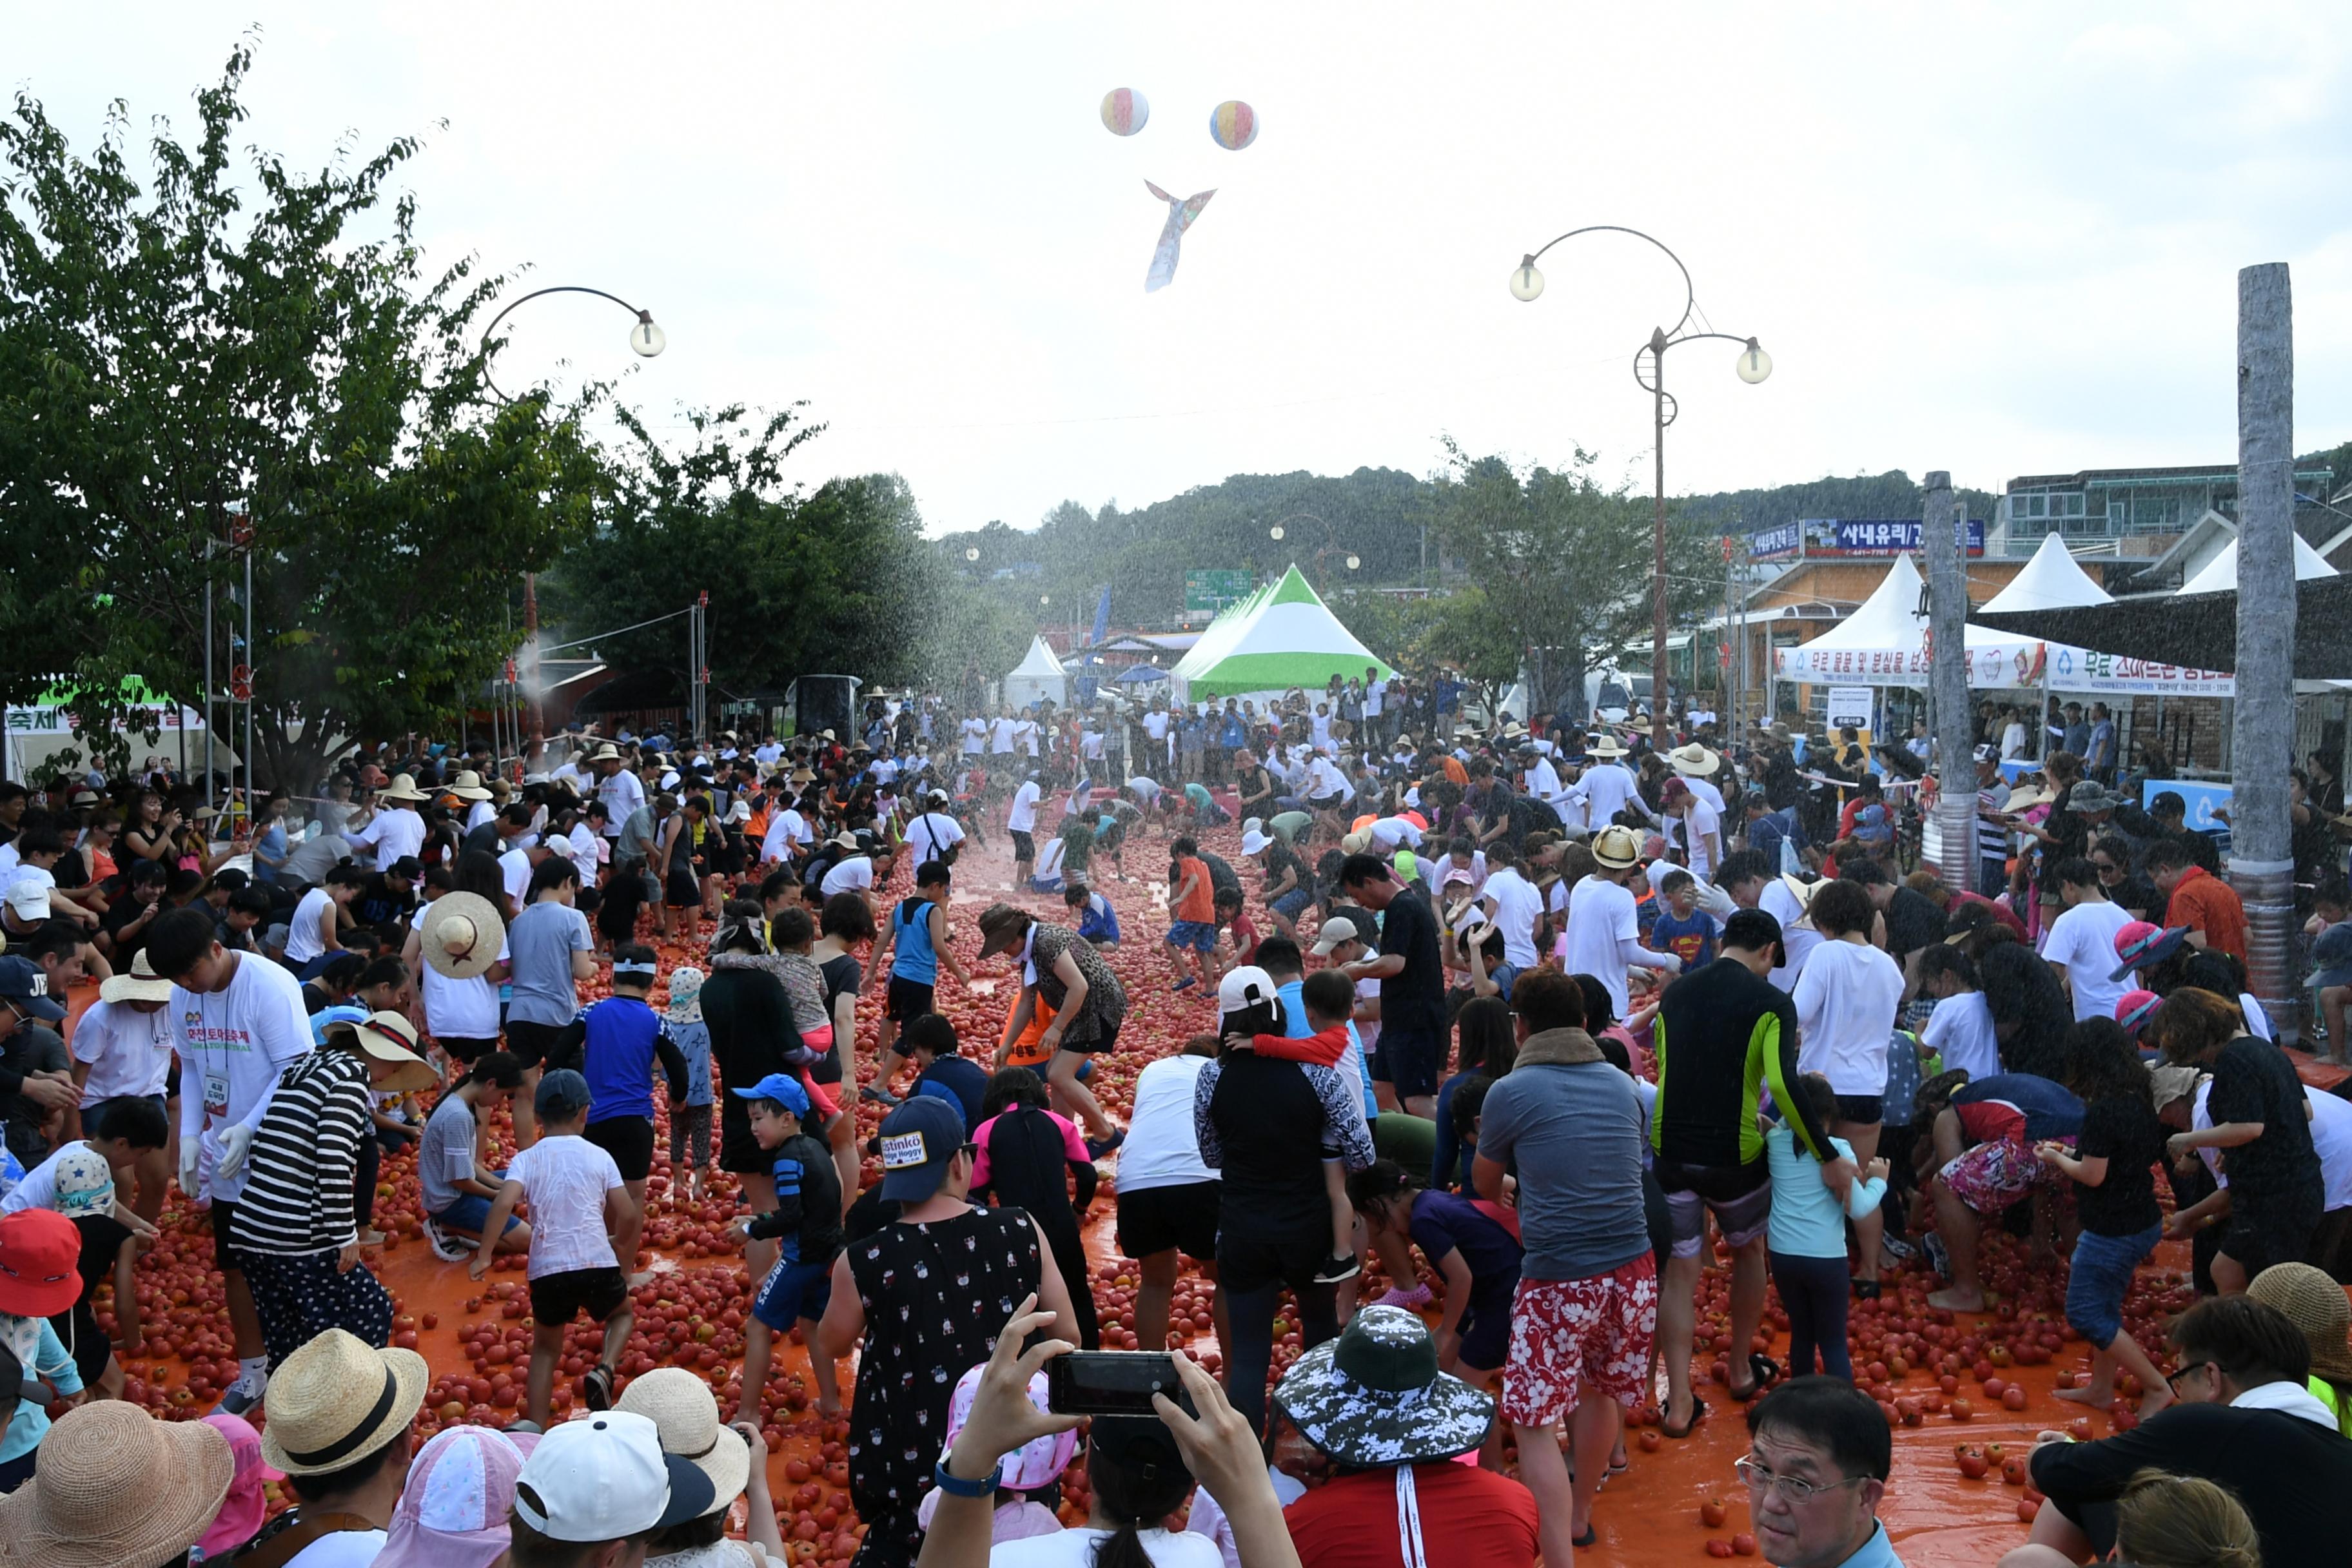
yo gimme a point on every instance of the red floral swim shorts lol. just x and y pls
(1570, 1337)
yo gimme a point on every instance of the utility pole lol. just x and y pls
(1948, 616)
(2262, 735)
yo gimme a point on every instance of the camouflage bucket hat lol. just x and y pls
(1374, 1396)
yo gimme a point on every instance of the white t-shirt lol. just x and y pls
(785, 828)
(1077, 1548)
(622, 795)
(1961, 1028)
(932, 834)
(1846, 1001)
(1607, 789)
(341, 1549)
(235, 1044)
(1155, 724)
(1705, 789)
(129, 1051)
(580, 846)
(1162, 1148)
(395, 830)
(1024, 732)
(1601, 919)
(1391, 831)
(1145, 790)
(1797, 942)
(975, 736)
(302, 941)
(1518, 905)
(38, 1190)
(459, 1009)
(514, 869)
(1023, 819)
(565, 1178)
(480, 812)
(2082, 941)
(857, 871)
(1000, 737)
(1702, 835)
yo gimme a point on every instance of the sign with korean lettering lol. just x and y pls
(1766, 544)
(2081, 670)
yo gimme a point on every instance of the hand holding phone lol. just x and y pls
(1114, 1382)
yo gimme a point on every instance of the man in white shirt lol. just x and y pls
(392, 828)
(1025, 735)
(1603, 935)
(787, 830)
(1156, 726)
(932, 832)
(974, 730)
(767, 753)
(1606, 789)
(1695, 825)
(1327, 794)
(854, 871)
(1376, 696)
(1000, 736)
(621, 791)
(1514, 905)
(1693, 764)
(1020, 822)
(2082, 941)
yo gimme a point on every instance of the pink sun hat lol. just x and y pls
(246, 1509)
(453, 1513)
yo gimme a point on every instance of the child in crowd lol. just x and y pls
(1239, 944)
(1806, 1235)
(916, 945)
(1468, 1243)
(1097, 922)
(2115, 1198)
(806, 1222)
(578, 1201)
(1682, 928)
(616, 1043)
(1330, 1000)
(1961, 1025)
(689, 1124)
(1025, 1157)
(38, 1281)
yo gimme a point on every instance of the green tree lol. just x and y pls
(836, 580)
(1563, 567)
(227, 362)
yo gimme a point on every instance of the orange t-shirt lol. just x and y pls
(1201, 904)
(2203, 902)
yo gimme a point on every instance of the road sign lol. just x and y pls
(240, 683)
(1210, 590)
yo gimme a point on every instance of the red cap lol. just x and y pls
(40, 1254)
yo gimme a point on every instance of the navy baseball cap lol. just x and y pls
(560, 1093)
(782, 1088)
(23, 982)
(2332, 956)
(918, 1139)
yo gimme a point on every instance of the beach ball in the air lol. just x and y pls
(1124, 111)
(1232, 125)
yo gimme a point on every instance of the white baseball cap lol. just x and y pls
(605, 1478)
(1245, 987)
(29, 900)
(1332, 934)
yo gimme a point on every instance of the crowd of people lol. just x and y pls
(1543, 1020)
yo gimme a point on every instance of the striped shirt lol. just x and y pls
(305, 1159)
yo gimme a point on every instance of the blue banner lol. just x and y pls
(1834, 537)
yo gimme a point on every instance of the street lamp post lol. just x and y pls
(1753, 365)
(646, 340)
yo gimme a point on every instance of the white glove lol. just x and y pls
(234, 1140)
(191, 1152)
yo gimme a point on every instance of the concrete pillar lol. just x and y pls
(2262, 737)
(1948, 614)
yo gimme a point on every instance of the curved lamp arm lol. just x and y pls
(646, 339)
(1526, 269)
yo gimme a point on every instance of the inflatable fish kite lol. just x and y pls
(1171, 235)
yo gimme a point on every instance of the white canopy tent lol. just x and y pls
(1884, 643)
(1037, 679)
(2220, 573)
(2052, 580)
(2055, 580)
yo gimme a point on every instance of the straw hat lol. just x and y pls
(683, 1407)
(403, 788)
(468, 786)
(388, 1038)
(844, 839)
(335, 1400)
(1606, 746)
(460, 935)
(1693, 759)
(141, 985)
(97, 1458)
(1803, 890)
(2317, 1306)
(1356, 843)
(1616, 847)
(2026, 798)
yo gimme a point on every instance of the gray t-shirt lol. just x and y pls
(445, 1154)
(541, 942)
(1575, 1133)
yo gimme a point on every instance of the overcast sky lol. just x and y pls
(1994, 238)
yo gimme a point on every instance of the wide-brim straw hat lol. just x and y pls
(1617, 848)
(388, 1038)
(1693, 759)
(117, 1487)
(403, 788)
(468, 786)
(2318, 1309)
(141, 985)
(683, 1408)
(1803, 890)
(460, 935)
(1606, 746)
(336, 1400)
(2025, 797)
(607, 752)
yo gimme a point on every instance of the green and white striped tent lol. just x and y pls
(1280, 636)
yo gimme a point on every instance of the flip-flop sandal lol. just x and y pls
(1866, 1290)
(1763, 1371)
(1590, 1537)
(1698, 1411)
